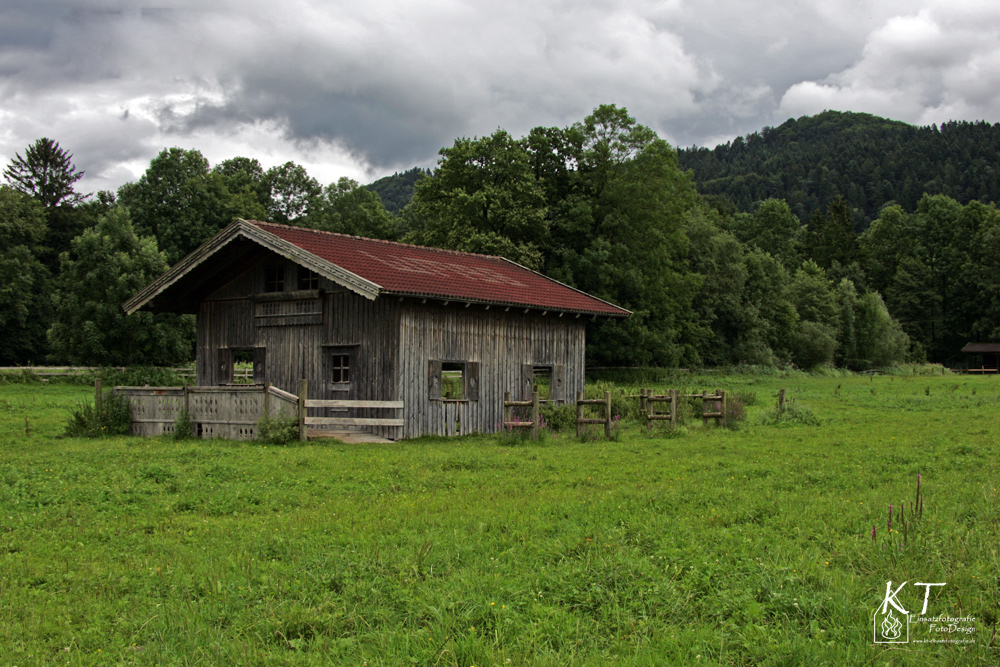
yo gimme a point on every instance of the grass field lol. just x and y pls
(707, 547)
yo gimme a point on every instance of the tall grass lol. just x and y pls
(746, 547)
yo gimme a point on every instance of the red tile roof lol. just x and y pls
(411, 270)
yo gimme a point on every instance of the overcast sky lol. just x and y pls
(362, 89)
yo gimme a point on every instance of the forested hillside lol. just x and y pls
(850, 240)
(867, 160)
(396, 191)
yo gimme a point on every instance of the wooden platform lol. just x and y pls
(350, 437)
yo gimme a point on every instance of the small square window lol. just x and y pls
(452, 380)
(308, 280)
(274, 279)
(340, 368)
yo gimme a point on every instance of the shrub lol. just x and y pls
(790, 415)
(623, 401)
(111, 415)
(736, 411)
(183, 426)
(23, 376)
(559, 418)
(279, 430)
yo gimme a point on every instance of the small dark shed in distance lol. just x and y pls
(985, 357)
(446, 333)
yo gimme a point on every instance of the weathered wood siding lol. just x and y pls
(215, 412)
(295, 333)
(501, 341)
(392, 344)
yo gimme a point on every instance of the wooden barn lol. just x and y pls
(443, 333)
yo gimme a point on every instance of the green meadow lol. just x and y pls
(703, 546)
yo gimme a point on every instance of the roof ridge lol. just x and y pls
(395, 243)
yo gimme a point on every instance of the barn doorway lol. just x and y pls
(340, 377)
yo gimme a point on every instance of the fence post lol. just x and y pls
(303, 393)
(607, 415)
(579, 413)
(643, 406)
(98, 394)
(722, 403)
(781, 400)
(535, 425)
(674, 394)
(505, 414)
(704, 407)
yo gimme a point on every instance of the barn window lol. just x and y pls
(308, 279)
(340, 368)
(453, 380)
(550, 381)
(242, 366)
(274, 279)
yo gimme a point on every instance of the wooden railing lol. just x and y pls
(304, 403)
(217, 412)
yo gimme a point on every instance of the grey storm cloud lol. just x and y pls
(362, 89)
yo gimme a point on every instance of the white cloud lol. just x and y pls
(361, 89)
(937, 64)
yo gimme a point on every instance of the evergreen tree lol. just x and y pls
(46, 172)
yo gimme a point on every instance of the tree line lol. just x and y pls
(868, 161)
(603, 205)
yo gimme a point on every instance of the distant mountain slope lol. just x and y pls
(397, 190)
(868, 160)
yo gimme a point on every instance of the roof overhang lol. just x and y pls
(215, 258)
(981, 348)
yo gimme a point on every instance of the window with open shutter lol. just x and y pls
(471, 390)
(225, 375)
(434, 368)
(259, 365)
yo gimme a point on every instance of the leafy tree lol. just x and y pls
(482, 198)
(46, 172)
(630, 198)
(743, 299)
(880, 339)
(772, 228)
(886, 242)
(291, 192)
(107, 265)
(813, 345)
(347, 208)
(914, 301)
(181, 203)
(815, 301)
(244, 177)
(25, 310)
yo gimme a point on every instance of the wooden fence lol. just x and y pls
(605, 419)
(713, 406)
(648, 406)
(535, 423)
(216, 412)
(305, 421)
